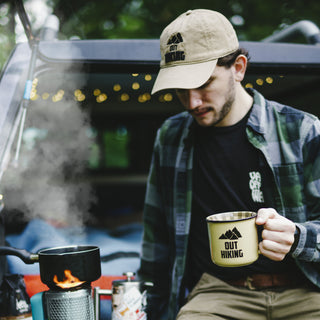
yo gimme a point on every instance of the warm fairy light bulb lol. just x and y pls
(259, 82)
(135, 86)
(124, 97)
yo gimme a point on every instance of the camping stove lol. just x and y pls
(56, 304)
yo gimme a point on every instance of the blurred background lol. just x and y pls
(81, 19)
(86, 145)
(88, 138)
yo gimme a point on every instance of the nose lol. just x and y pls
(194, 99)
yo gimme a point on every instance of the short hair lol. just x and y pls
(228, 60)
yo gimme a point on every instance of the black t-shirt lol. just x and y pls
(229, 174)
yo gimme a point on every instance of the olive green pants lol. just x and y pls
(213, 299)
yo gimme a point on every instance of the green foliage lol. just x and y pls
(252, 19)
(6, 33)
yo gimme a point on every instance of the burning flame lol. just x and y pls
(69, 281)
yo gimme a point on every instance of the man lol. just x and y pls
(231, 150)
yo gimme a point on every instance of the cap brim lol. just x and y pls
(187, 76)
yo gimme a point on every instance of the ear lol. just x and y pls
(240, 67)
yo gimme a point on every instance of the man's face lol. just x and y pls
(210, 104)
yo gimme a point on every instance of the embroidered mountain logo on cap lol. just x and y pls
(174, 53)
(233, 234)
(175, 39)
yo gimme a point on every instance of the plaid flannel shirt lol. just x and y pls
(289, 140)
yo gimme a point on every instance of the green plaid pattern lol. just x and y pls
(289, 140)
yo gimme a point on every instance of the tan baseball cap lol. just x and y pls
(190, 48)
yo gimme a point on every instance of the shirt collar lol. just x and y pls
(258, 116)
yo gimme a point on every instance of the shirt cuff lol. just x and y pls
(295, 248)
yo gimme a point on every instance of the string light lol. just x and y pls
(269, 80)
(124, 97)
(144, 97)
(135, 86)
(168, 97)
(79, 96)
(96, 92)
(259, 82)
(101, 98)
(58, 96)
(33, 93)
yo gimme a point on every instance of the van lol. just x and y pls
(78, 123)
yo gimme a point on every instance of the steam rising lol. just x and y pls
(48, 181)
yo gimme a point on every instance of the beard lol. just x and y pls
(229, 100)
(216, 116)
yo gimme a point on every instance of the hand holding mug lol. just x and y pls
(277, 234)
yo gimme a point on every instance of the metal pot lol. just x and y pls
(82, 261)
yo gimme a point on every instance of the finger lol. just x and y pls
(280, 224)
(273, 255)
(264, 214)
(273, 246)
(283, 238)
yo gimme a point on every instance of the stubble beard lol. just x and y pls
(230, 98)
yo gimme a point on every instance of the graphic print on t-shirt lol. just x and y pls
(255, 186)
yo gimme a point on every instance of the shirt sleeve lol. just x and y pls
(155, 258)
(308, 245)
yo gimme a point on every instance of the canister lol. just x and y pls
(129, 298)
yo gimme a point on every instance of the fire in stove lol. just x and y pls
(70, 294)
(68, 282)
(70, 298)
